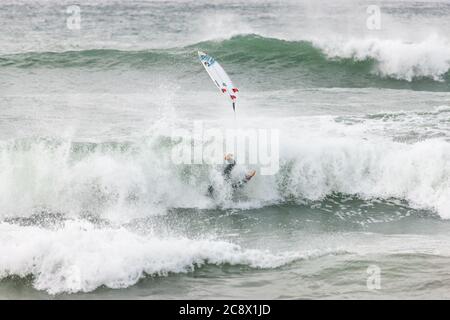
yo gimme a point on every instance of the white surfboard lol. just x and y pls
(219, 76)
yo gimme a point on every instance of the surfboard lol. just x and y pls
(219, 76)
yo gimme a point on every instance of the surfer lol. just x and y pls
(231, 163)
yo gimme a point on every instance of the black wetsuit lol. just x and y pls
(227, 175)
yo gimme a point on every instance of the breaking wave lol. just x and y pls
(126, 180)
(349, 63)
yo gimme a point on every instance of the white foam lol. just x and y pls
(395, 58)
(40, 174)
(324, 156)
(80, 257)
(418, 173)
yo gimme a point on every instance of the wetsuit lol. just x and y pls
(227, 175)
(227, 171)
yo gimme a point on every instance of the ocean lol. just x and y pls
(93, 205)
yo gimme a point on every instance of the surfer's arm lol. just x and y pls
(239, 184)
(246, 179)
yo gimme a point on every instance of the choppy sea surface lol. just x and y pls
(91, 205)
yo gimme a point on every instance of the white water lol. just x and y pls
(80, 257)
(396, 58)
(72, 150)
(319, 155)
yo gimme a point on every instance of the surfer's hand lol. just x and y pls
(250, 175)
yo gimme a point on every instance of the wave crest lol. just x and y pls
(352, 63)
(397, 59)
